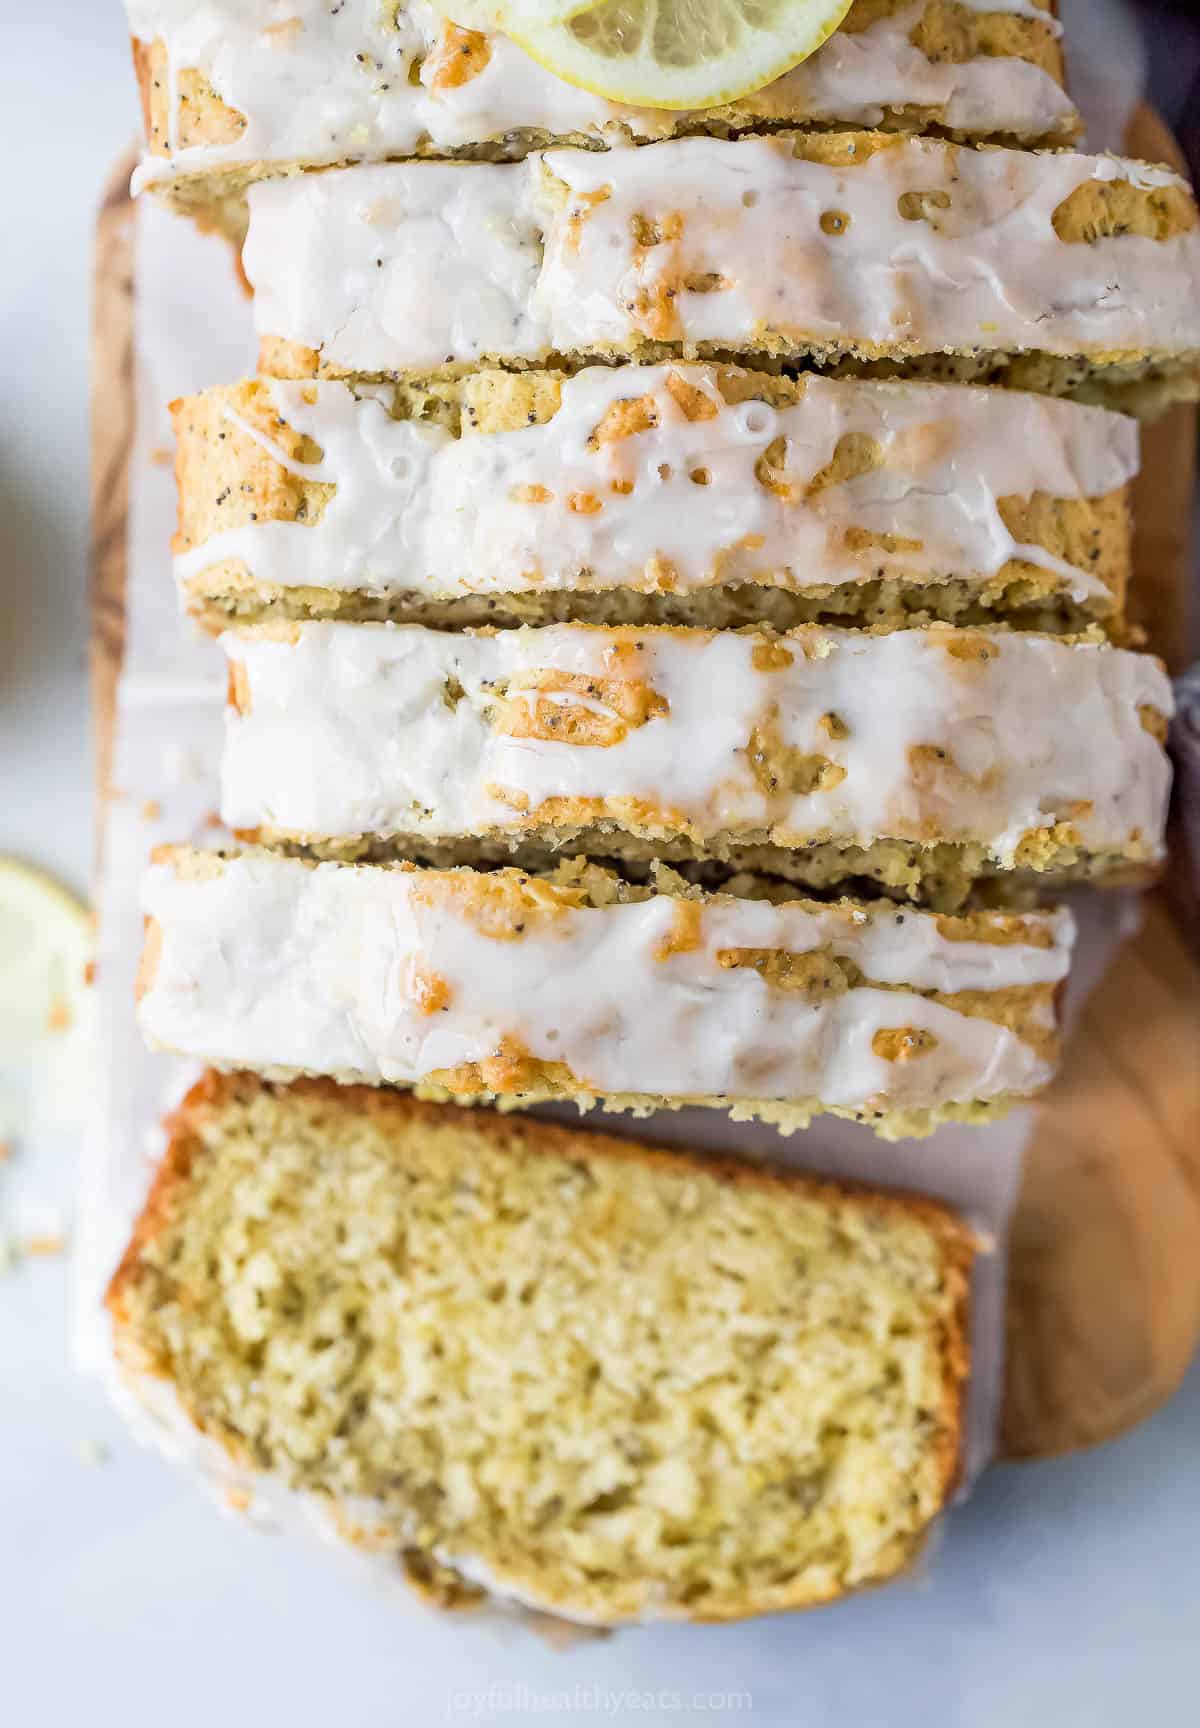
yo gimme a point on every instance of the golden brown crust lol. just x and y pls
(1108, 209)
(183, 1146)
(951, 32)
(201, 117)
(279, 358)
(458, 57)
(225, 479)
(143, 71)
(1094, 534)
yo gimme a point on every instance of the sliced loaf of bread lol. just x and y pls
(1059, 272)
(671, 494)
(473, 985)
(920, 759)
(232, 91)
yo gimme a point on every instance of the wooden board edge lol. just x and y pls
(112, 422)
(1104, 1255)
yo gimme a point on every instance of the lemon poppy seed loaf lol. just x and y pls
(232, 90)
(582, 986)
(565, 1370)
(1060, 272)
(817, 755)
(681, 493)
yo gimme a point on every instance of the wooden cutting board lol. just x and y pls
(1104, 1272)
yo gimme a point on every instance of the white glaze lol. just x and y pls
(347, 731)
(419, 511)
(270, 964)
(307, 96)
(422, 266)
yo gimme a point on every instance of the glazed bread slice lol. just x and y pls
(796, 754)
(1059, 272)
(505, 985)
(585, 1376)
(232, 91)
(685, 493)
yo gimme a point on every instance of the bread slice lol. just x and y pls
(683, 493)
(1059, 272)
(473, 985)
(596, 1379)
(946, 745)
(230, 93)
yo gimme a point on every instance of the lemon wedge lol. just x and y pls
(45, 947)
(671, 53)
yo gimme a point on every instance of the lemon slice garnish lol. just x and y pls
(673, 53)
(45, 949)
(508, 15)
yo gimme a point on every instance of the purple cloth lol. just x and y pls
(1185, 748)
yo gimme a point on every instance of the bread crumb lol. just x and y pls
(93, 1452)
(47, 1247)
(286, 28)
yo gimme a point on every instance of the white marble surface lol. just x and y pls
(1062, 1594)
